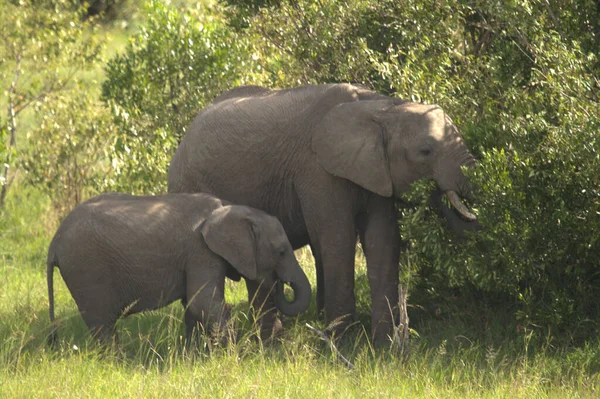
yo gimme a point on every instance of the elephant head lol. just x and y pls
(385, 145)
(256, 245)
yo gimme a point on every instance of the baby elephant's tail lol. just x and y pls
(51, 262)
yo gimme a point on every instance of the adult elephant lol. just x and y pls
(328, 161)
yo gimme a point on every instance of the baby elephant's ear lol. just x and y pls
(230, 234)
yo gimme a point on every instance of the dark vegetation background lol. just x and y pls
(519, 78)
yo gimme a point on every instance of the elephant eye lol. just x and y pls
(426, 151)
(282, 252)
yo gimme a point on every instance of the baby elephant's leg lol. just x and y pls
(95, 297)
(100, 315)
(263, 309)
(101, 329)
(206, 310)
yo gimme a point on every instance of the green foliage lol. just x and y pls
(112, 10)
(65, 154)
(43, 45)
(308, 42)
(526, 97)
(176, 64)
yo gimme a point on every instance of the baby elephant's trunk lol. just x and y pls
(293, 276)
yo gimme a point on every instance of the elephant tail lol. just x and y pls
(51, 262)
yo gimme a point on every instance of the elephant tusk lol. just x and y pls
(459, 206)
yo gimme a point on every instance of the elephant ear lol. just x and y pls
(229, 233)
(350, 143)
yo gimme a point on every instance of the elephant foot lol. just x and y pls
(272, 331)
(390, 336)
(382, 337)
(267, 326)
(338, 328)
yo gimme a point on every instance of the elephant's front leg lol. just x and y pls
(332, 234)
(263, 308)
(320, 278)
(206, 309)
(380, 239)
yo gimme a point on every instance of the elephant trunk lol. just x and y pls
(295, 278)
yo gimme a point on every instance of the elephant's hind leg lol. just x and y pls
(101, 324)
(104, 332)
(99, 312)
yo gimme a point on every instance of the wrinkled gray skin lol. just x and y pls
(328, 162)
(121, 254)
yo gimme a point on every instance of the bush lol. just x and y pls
(65, 158)
(170, 70)
(43, 46)
(526, 97)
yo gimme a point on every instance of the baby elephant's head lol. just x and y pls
(256, 245)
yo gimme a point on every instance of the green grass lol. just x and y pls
(451, 357)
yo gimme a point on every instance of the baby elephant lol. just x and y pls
(121, 254)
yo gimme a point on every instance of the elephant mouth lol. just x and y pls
(459, 206)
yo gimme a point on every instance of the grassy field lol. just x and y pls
(450, 358)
